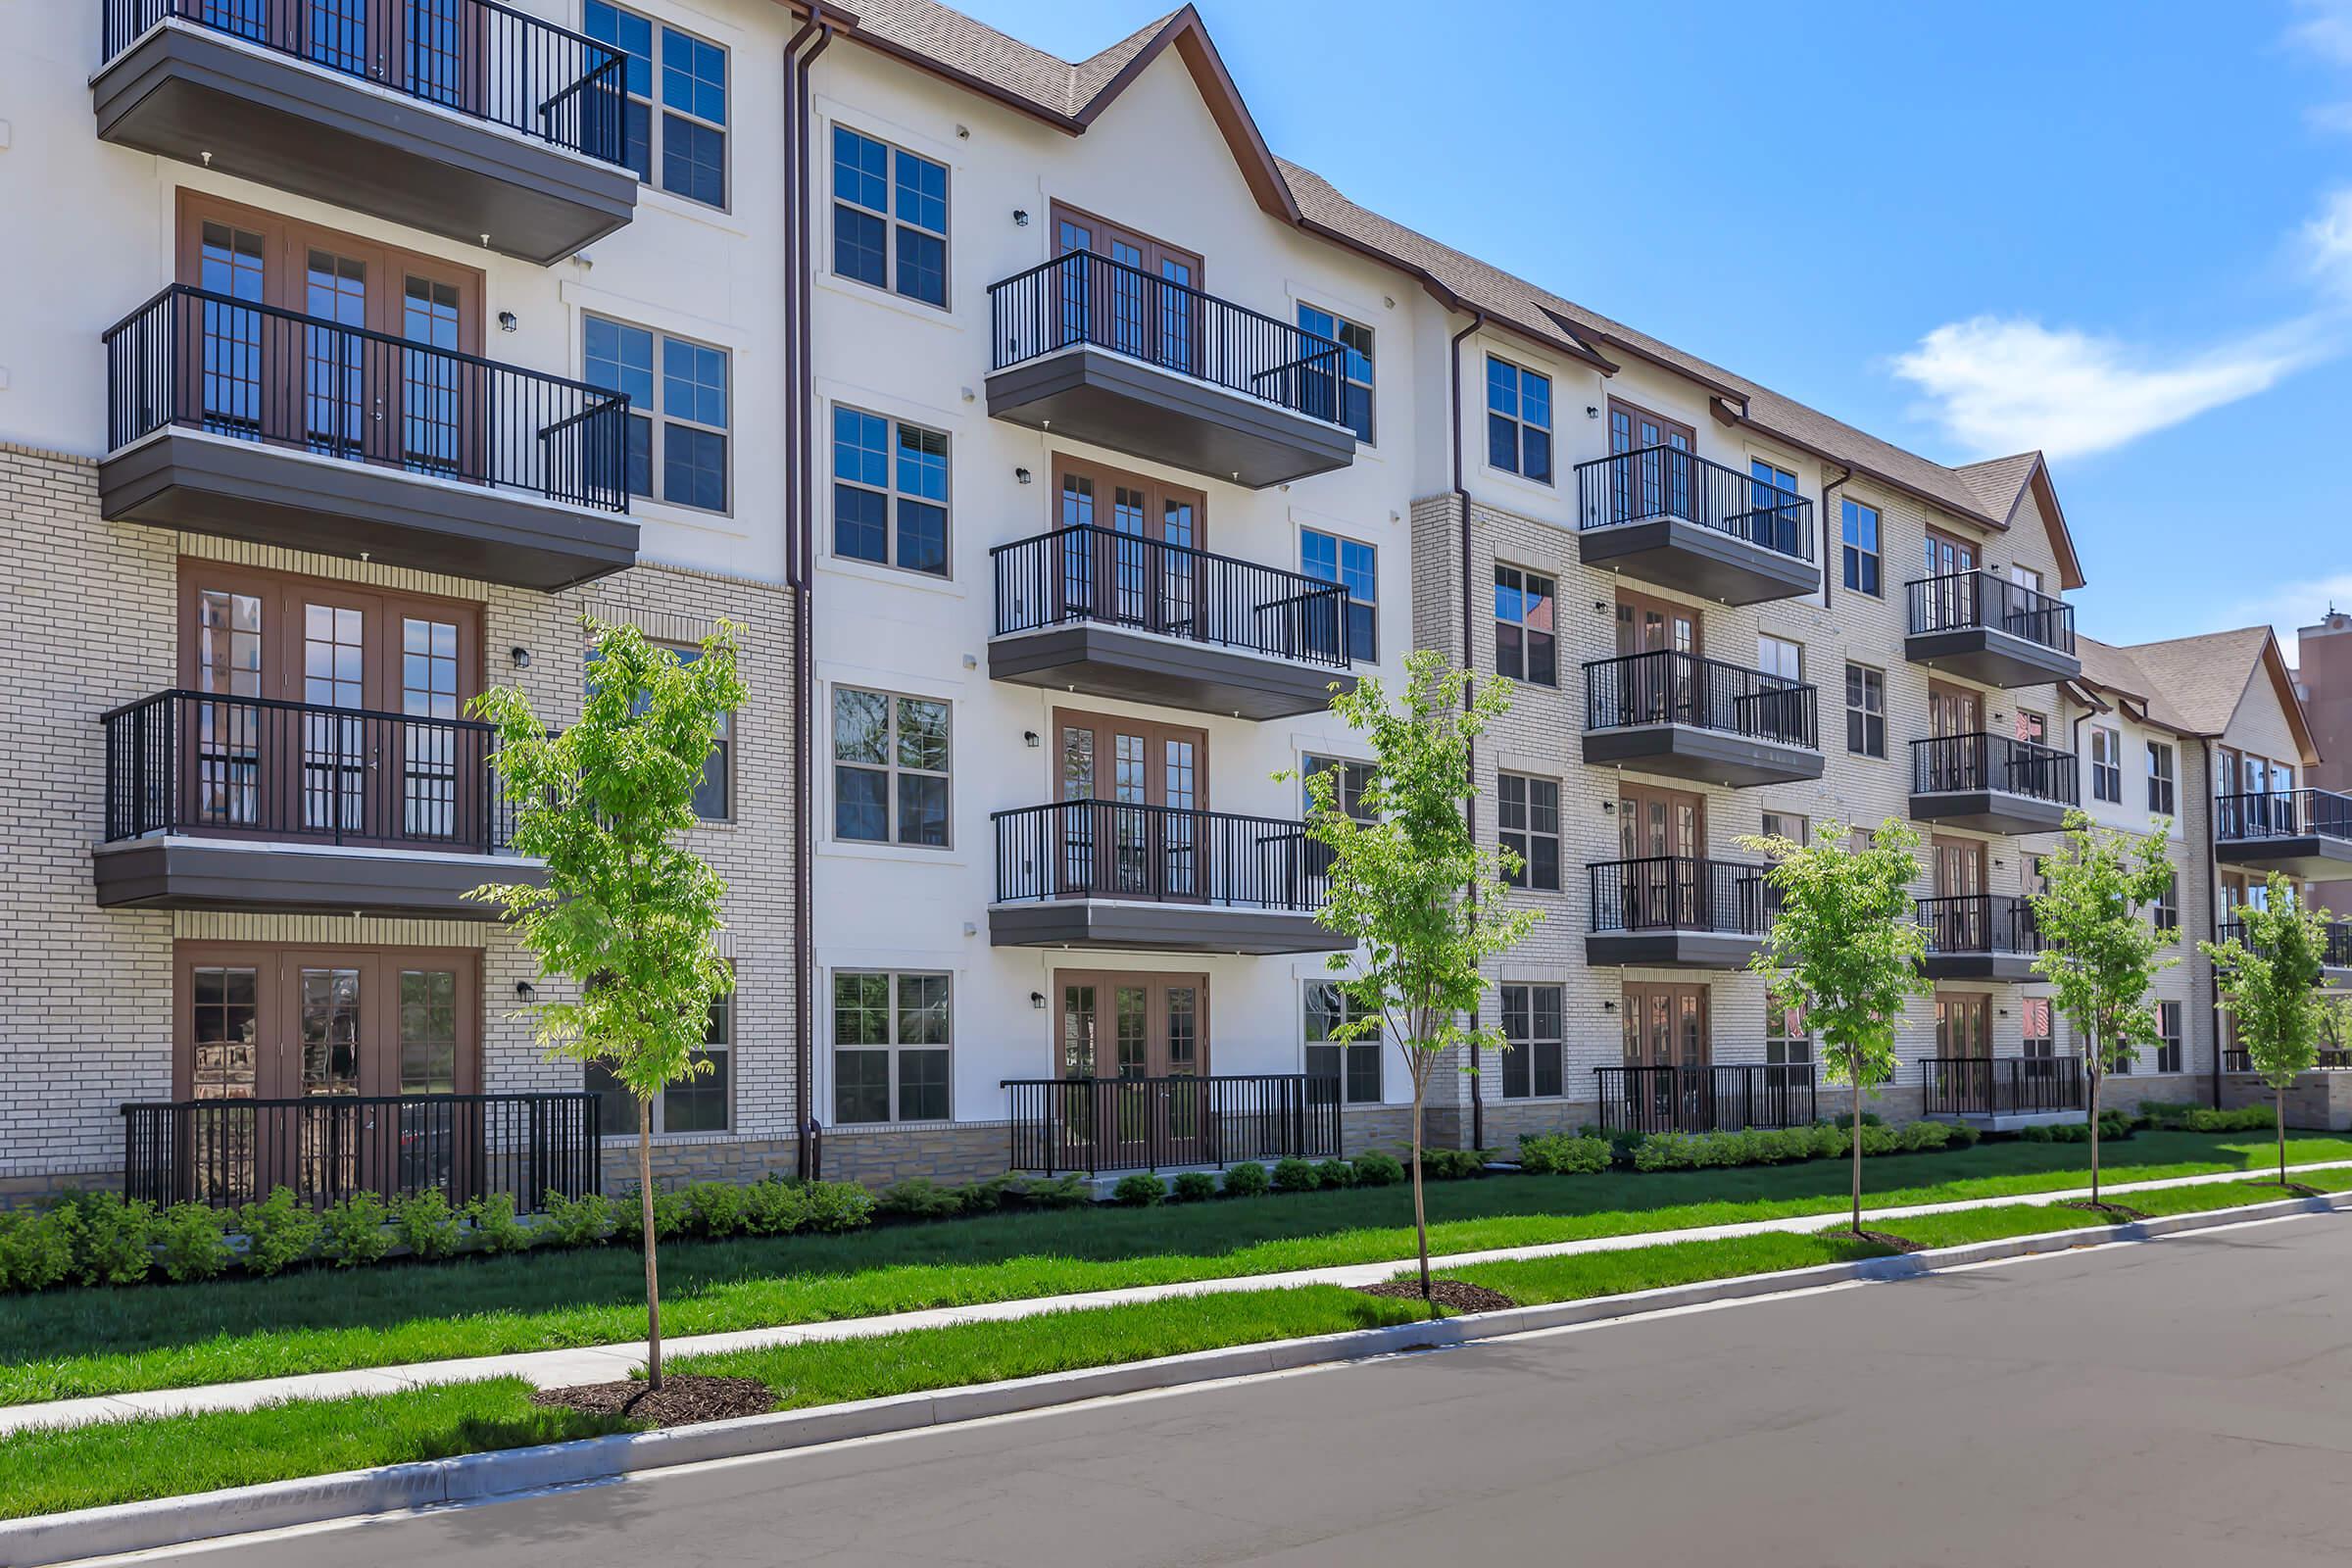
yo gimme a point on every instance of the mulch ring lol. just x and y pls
(1460, 1294)
(1901, 1244)
(2114, 1211)
(680, 1401)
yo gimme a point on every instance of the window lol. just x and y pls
(1523, 628)
(1788, 825)
(715, 796)
(1860, 531)
(2167, 1031)
(890, 1047)
(2032, 726)
(890, 768)
(678, 419)
(2038, 1027)
(696, 1104)
(1354, 567)
(1349, 782)
(1787, 1044)
(1352, 407)
(1865, 710)
(1778, 656)
(689, 137)
(2167, 912)
(890, 217)
(2106, 764)
(1518, 420)
(1528, 819)
(2026, 577)
(1354, 1062)
(1530, 1030)
(890, 492)
(2159, 778)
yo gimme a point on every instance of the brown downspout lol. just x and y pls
(1826, 486)
(2213, 920)
(1461, 500)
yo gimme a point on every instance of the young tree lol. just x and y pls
(2100, 950)
(2269, 978)
(628, 914)
(1409, 887)
(1845, 949)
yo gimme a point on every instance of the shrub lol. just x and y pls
(983, 1197)
(194, 1242)
(279, 1232)
(2035, 1135)
(1920, 1136)
(1453, 1165)
(714, 1209)
(1559, 1154)
(353, 1230)
(496, 1230)
(114, 1243)
(37, 1250)
(774, 1208)
(1965, 1135)
(1052, 1192)
(834, 1207)
(1376, 1170)
(917, 1197)
(426, 1224)
(629, 1216)
(1295, 1175)
(2117, 1125)
(2243, 1119)
(581, 1221)
(1247, 1179)
(1195, 1185)
(1139, 1189)
(1335, 1173)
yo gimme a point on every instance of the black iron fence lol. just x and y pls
(1654, 482)
(1680, 892)
(1962, 601)
(1708, 1099)
(1999, 1086)
(230, 366)
(2335, 943)
(2001, 764)
(1103, 1124)
(1980, 922)
(327, 1147)
(1158, 854)
(2283, 814)
(470, 57)
(1089, 573)
(2234, 1059)
(185, 762)
(1667, 687)
(1082, 298)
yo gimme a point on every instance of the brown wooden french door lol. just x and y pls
(1954, 710)
(1959, 867)
(1659, 483)
(1139, 839)
(1656, 691)
(1140, 1039)
(1662, 836)
(1142, 565)
(1668, 1026)
(1963, 1026)
(1148, 304)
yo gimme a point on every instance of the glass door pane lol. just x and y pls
(429, 746)
(430, 389)
(334, 747)
(335, 404)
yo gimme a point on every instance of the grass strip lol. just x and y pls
(69, 1343)
(1966, 1226)
(1581, 1276)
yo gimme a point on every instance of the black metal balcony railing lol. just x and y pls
(2283, 814)
(2335, 950)
(327, 1147)
(1708, 1100)
(1156, 853)
(1666, 687)
(2235, 1059)
(1999, 1086)
(1654, 482)
(1102, 1124)
(1081, 298)
(209, 361)
(186, 761)
(1980, 922)
(1677, 893)
(1951, 764)
(1089, 573)
(470, 57)
(1962, 601)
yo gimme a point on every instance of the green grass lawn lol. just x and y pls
(2034, 1219)
(67, 1343)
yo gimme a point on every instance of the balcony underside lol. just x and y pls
(1137, 666)
(1711, 757)
(1121, 925)
(272, 495)
(1993, 658)
(2315, 856)
(1677, 554)
(1978, 965)
(1670, 949)
(1989, 810)
(182, 92)
(177, 872)
(1108, 400)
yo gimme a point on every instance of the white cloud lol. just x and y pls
(2333, 118)
(2324, 30)
(2290, 605)
(2327, 244)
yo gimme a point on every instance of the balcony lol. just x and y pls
(1109, 1124)
(1089, 609)
(251, 422)
(1993, 783)
(463, 119)
(1684, 717)
(1663, 516)
(2335, 952)
(1102, 874)
(2304, 833)
(325, 1148)
(1675, 912)
(2005, 1091)
(1984, 627)
(233, 803)
(1089, 349)
(1706, 1100)
(1980, 936)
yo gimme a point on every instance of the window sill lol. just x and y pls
(833, 283)
(650, 194)
(894, 576)
(907, 853)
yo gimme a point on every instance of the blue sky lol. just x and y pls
(2121, 232)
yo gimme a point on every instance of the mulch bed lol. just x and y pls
(2114, 1211)
(681, 1401)
(1901, 1244)
(1460, 1294)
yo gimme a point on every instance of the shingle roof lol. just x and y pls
(2112, 669)
(963, 44)
(2205, 678)
(1999, 481)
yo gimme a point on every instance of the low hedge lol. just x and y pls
(1783, 1145)
(1564, 1154)
(2195, 1118)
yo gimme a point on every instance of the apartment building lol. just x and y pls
(1062, 447)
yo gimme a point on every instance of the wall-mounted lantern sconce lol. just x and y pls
(1037, 1000)
(1607, 1005)
(1020, 218)
(525, 990)
(1591, 410)
(1029, 739)
(507, 322)
(521, 657)
(1022, 474)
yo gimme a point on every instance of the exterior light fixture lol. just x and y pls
(521, 657)
(525, 990)
(507, 322)
(1023, 475)
(1037, 1000)
(1020, 218)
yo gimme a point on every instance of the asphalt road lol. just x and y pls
(2187, 1401)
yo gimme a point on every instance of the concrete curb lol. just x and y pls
(478, 1477)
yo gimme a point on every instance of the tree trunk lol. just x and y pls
(1856, 1150)
(2281, 1120)
(645, 1212)
(1421, 1215)
(2093, 1114)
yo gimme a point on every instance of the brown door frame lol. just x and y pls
(1152, 338)
(1177, 857)
(1100, 589)
(1978, 1003)
(1944, 698)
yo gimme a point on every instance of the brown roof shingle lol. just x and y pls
(2204, 677)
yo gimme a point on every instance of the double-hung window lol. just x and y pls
(1518, 420)
(890, 217)
(677, 391)
(2106, 764)
(1865, 710)
(1859, 528)
(686, 138)
(695, 1104)
(2166, 914)
(1787, 1044)
(890, 492)
(1524, 647)
(1528, 824)
(1349, 400)
(2168, 1030)
(890, 768)
(1530, 1030)
(1353, 1062)
(1348, 782)
(1353, 566)
(891, 1034)
(2159, 778)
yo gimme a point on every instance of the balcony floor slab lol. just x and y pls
(177, 871)
(1139, 667)
(1711, 757)
(1131, 926)
(1689, 557)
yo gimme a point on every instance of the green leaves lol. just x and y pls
(2100, 951)
(2269, 980)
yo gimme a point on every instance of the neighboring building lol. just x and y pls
(2324, 683)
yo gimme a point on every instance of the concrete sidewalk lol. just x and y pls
(607, 1362)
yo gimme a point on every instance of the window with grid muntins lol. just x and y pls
(1525, 649)
(2106, 766)
(1350, 402)
(677, 391)
(890, 492)
(1533, 1063)
(1858, 526)
(2159, 779)
(696, 1104)
(1865, 710)
(1518, 420)
(890, 217)
(890, 768)
(891, 1033)
(2167, 1028)
(1355, 1063)
(679, 132)
(1353, 566)
(1527, 817)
